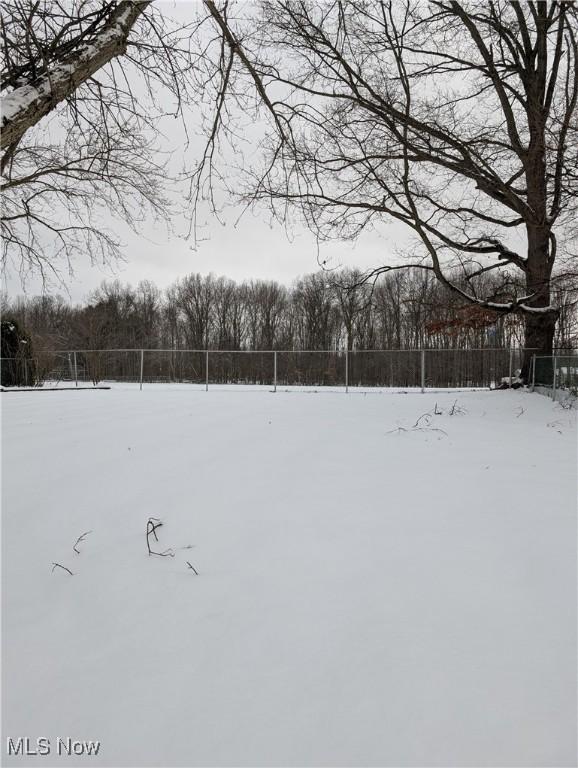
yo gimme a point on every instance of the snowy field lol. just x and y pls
(369, 593)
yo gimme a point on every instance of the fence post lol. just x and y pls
(207, 371)
(141, 366)
(554, 377)
(533, 373)
(75, 369)
(346, 370)
(423, 371)
(275, 371)
(511, 368)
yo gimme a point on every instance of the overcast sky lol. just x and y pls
(253, 247)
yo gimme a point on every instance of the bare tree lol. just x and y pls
(79, 123)
(457, 119)
(196, 302)
(315, 312)
(354, 299)
(227, 315)
(271, 302)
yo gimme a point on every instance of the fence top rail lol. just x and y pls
(417, 350)
(572, 355)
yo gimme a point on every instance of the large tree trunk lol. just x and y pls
(539, 333)
(539, 327)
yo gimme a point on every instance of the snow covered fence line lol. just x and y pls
(566, 398)
(556, 376)
(421, 369)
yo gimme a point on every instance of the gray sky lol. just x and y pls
(251, 248)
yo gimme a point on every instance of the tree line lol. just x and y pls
(403, 309)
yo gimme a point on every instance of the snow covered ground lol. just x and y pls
(368, 593)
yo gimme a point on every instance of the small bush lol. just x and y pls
(17, 368)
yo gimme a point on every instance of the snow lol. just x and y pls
(369, 593)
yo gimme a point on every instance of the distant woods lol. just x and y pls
(405, 309)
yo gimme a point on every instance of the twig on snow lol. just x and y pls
(79, 540)
(64, 568)
(457, 410)
(426, 416)
(192, 567)
(429, 429)
(152, 524)
(399, 430)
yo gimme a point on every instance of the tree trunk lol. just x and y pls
(539, 327)
(539, 333)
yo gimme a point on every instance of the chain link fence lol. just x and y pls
(400, 369)
(557, 373)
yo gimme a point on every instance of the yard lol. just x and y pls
(381, 579)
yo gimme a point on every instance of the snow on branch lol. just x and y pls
(23, 107)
